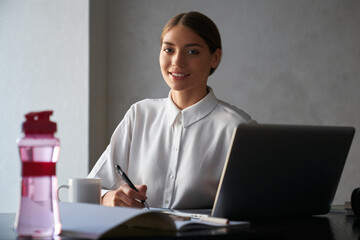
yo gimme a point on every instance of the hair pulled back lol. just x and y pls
(201, 25)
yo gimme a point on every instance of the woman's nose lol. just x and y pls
(178, 60)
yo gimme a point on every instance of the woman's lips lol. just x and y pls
(178, 75)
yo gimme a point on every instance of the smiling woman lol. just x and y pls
(167, 145)
(186, 62)
(201, 25)
(190, 53)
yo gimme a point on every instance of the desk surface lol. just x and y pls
(333, 226)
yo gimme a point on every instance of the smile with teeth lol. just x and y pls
(178, 75)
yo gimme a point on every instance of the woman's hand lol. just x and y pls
(125, 196)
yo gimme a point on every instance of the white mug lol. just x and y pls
(84, 190)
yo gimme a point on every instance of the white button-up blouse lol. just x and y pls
(178, 154)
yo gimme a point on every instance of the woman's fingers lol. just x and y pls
(127, 197)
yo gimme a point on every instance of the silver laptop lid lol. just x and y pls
(281, 171)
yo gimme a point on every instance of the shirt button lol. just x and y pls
(166, 201)
(175, 149)
(172, 176)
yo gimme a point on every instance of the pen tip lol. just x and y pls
(146, 205)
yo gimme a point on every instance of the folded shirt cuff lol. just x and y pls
(104, 191)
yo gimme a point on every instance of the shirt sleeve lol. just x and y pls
(117, 152)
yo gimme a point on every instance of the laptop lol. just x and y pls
(277, 171)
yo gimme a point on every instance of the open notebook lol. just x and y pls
(95, 221)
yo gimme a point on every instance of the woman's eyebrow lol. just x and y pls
(168, 43)
(193, 45)
(187, 45)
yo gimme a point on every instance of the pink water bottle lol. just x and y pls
(38, 213)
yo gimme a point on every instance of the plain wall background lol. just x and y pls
(283, 62)
(44, 54)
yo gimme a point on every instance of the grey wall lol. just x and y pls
(44, 56)
(283, 61)
(98, 109)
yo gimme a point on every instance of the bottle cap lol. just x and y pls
(39, 123)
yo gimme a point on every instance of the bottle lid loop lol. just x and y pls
(39, 123)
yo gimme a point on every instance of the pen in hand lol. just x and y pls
(127, 180)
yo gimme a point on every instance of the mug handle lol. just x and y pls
(61, 186)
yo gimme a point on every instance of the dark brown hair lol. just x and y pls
(201, 25)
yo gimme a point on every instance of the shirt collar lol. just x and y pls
(193, 113)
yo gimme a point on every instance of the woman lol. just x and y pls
(174, 148)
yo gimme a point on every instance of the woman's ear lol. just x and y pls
(215, 58)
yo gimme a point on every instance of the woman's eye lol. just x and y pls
(193, 52)
(168, 50)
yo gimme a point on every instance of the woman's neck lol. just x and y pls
(184, 99)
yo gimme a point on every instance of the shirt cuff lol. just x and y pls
(104, 191)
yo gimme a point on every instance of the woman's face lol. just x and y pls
(185, 60)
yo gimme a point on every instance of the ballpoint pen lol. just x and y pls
(127, 180)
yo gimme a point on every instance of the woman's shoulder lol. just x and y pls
(235, 112)
(148, 104)
(151, 101)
